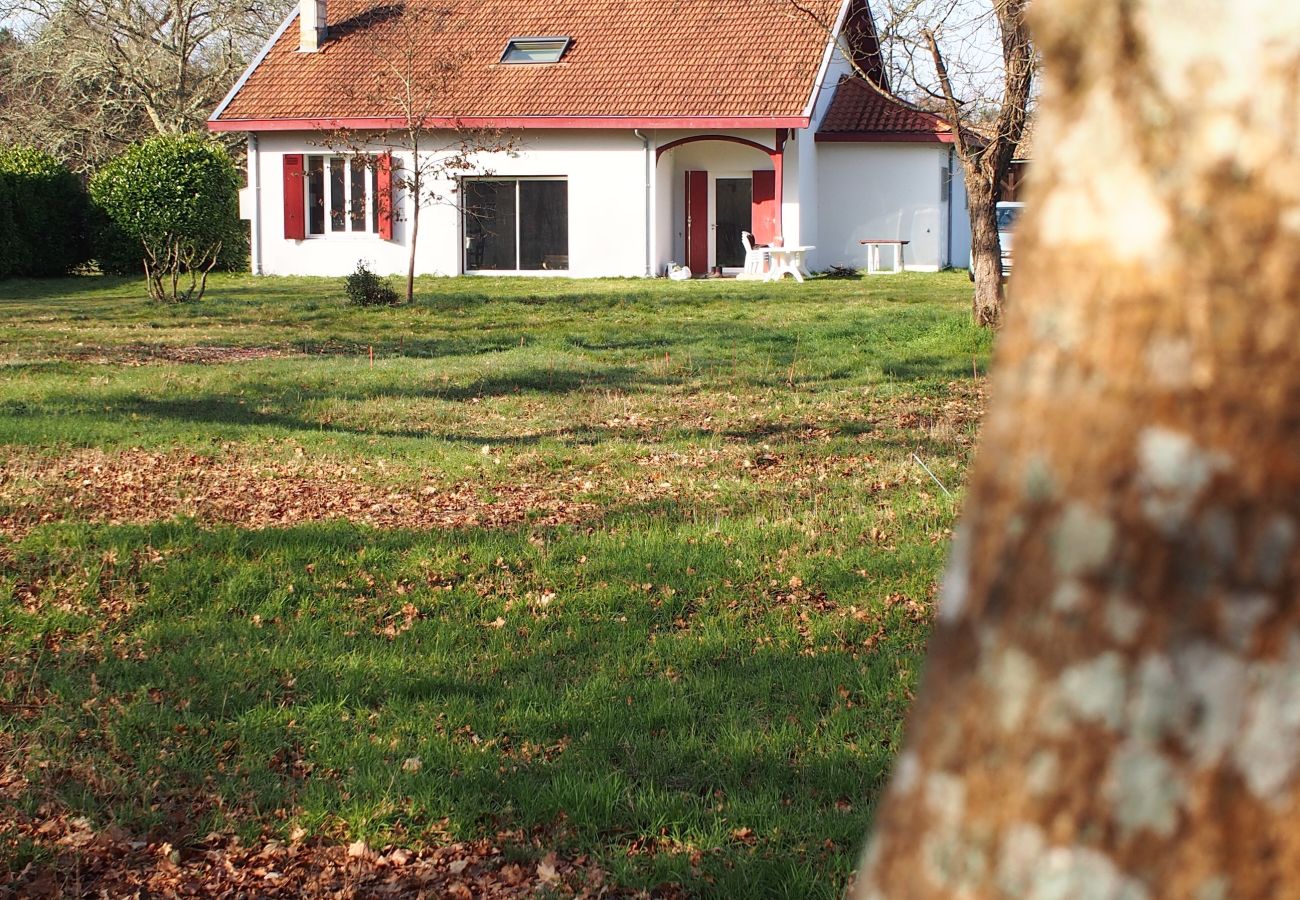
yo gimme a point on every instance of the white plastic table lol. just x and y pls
(873, 246)
(788, 261)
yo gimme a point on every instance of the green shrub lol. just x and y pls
(175, 201)
(49, 209)
(364, 288)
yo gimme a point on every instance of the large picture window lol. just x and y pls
(516, 224)
(341, 195)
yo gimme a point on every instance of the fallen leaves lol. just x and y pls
(77, 859)
(139, 487)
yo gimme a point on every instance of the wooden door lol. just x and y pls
(697, 222)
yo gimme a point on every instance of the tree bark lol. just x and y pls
(1112, 703)
(985, 253)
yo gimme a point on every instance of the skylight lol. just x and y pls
(535, 49)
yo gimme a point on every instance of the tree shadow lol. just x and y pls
(368, 18)
(620, 751)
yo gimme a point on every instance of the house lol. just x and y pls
(646, 132)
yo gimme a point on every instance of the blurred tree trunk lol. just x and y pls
(1112, 704)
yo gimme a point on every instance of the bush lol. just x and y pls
(49, 209)
(365, 288)
(169, 206)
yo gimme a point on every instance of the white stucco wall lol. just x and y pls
(960, 220)
(885, 191)
(804, 174)
(834, 195)
(606, 173)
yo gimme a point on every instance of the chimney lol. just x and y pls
(311, 22)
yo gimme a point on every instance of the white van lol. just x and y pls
(1008, 217)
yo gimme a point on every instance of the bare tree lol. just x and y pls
(124, 69)
(408, 83)
(974, 62)
(1112, 701)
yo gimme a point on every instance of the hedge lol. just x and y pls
(49, 210)
(10, 246)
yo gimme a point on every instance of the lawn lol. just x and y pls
(565, 583)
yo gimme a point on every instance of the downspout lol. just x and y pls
(649, 201)
(255, 188)
(952, 194)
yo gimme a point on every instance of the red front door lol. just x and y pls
(697, 222)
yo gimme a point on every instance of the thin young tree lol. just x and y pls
(1111, 707)
(410, 84)
(974, 62)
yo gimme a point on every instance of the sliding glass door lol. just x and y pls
(516, 224)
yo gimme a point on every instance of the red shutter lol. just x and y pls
(295, 204)
(384, 191)
(765, 217)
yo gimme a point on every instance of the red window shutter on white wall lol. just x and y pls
(295, 206)
(384, 191)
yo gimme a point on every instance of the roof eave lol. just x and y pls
(885, 137)
(511, 123)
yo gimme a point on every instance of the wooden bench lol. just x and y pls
(873, 246)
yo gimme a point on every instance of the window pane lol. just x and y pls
(358, 199)
(735, 213)
(315, 195)
(543, 225)
(338, 221)
(489, 226)
(539, 51)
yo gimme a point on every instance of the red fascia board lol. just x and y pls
(510, 123)
(885, 137)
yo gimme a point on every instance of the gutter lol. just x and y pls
(649, 200)
(255, 188)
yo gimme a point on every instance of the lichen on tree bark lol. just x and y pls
(1112, 704)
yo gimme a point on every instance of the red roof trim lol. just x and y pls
(884, 137)
(511, 122)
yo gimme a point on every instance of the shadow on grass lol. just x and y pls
(600, 723)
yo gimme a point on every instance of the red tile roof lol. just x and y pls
(629, 58)
(858, 110)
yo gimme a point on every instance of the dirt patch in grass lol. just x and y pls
(143, 354)
(137, 487)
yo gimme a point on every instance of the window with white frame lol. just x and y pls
(535, 50)
(341, 195)
(516, 224)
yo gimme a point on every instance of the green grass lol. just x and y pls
(719, 643)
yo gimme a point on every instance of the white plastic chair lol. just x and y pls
(756, 258)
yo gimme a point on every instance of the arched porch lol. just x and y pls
(711, 188)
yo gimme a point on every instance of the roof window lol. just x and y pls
(535, 49)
